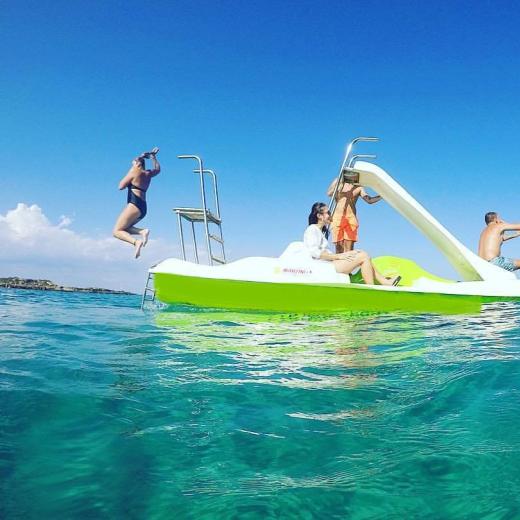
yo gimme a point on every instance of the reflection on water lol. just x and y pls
(344, 340)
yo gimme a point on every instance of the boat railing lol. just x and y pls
(348, 161)
(203, 215)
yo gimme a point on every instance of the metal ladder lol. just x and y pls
(345, 171)
(203, 215)
(149, 291)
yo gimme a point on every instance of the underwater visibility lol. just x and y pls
(109, 411)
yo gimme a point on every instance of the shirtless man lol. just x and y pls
(491, 240)
(345, 224)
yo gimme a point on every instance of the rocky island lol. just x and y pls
(46, 285)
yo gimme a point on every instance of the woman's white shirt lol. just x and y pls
(315, 241)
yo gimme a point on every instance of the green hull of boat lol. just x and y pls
(305, 298)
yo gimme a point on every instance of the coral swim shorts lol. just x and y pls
(346, 230)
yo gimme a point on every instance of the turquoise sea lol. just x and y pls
(110, 412)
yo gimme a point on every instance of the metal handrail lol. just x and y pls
(207, 215)
(347, 162)
(204, 208)
(217, 204)
(333, 203)
(215, 188)
(355, 157)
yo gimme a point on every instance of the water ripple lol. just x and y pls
(107, 410)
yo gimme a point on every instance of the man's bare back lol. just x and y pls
(491, 241)
(492, 237)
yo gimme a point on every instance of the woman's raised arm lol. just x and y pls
(127, 179)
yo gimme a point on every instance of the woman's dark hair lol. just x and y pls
(140, 161)
(317, 209)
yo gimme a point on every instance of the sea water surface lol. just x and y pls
(110, 412)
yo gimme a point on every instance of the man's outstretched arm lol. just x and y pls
(368, 198)
(509, 237)
(506, 226)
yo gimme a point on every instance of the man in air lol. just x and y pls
(491, 240)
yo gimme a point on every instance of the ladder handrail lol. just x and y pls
(353, 159)
(348, 161)
(215, 188)
(217, 204)
(203, 194)
(218, 216)
(357, 156)
(206, 214)
(147, 289)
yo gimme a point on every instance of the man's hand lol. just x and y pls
(152, 153)
(509, 237)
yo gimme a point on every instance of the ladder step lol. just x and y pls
(197, 215)
(147, 291)
(217, 239)
(219, 260)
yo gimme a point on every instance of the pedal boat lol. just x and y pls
(296, 283)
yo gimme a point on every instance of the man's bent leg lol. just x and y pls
(348, 245)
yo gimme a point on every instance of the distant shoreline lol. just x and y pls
(46, 285)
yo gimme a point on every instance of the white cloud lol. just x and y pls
(64, 222)
(32, 246)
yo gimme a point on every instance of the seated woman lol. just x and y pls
(315, 240)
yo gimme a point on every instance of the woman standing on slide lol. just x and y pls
(137, 181)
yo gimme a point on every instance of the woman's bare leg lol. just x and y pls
(133, 230)
(367, 271)
(144, 232)
(124, 223)
(339, 247)
(359, 258)
(381, 279)
(355, 259)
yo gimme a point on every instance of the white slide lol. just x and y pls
(470, 266)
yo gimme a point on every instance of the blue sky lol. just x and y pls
(268, 93)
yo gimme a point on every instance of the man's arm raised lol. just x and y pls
(509, 237)
(332, 187)
(368, 198)
(506, 226)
